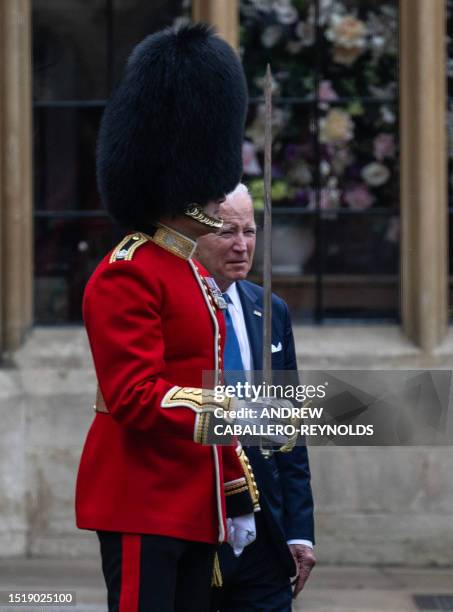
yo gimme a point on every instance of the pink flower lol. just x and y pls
(384, 146)
(328, 199)
(326, 92)
(358, 197)
(250, 162)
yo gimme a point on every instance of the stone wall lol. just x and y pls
(374, 505)
(47, 398)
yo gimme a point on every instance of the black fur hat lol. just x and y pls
(171, 134)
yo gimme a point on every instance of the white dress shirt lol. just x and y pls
(238, 320)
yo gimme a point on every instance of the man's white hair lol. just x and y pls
(239, 189)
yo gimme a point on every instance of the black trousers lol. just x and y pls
(253, 582)
(150, 573)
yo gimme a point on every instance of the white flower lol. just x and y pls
(349, 37)
(327, 8)
(375, 174)
(336, 127)
(383, 28)
(256, 130)
(347, 31)
(390, 12)
(387, 115)
(265, 6)
(260, 82)
(324, 168)
(300, 174)
(305, 30)
(286, 13)
(287, 16)
(388, 91)
(271, 35)
(378, 42)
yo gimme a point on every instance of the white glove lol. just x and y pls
(241, 532)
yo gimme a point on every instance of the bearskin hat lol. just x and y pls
(171, 134)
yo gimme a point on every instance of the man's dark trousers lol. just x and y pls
(255, 581)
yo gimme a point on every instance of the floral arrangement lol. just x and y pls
(334, 124)
(348, 127)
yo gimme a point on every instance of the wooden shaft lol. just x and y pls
(267, 236)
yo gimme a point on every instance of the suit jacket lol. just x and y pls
(283, 479)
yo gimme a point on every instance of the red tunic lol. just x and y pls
(151, 326)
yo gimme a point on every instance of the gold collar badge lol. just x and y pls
(171, 240)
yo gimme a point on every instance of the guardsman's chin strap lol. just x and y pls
(196, 212)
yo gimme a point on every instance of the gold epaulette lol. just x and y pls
(127, 247)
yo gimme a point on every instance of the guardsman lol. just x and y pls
(169, 150)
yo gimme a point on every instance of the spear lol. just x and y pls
(267, 240)
(267, 232)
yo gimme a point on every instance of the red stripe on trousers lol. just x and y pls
(130, 573)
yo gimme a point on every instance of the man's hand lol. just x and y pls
(305, 560)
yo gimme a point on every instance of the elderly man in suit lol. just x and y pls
(260, 579)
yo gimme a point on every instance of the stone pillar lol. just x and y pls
(224, 14)
(16, 259)
(424, 243)
(2, 73)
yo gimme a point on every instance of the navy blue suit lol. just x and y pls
(283, 481)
